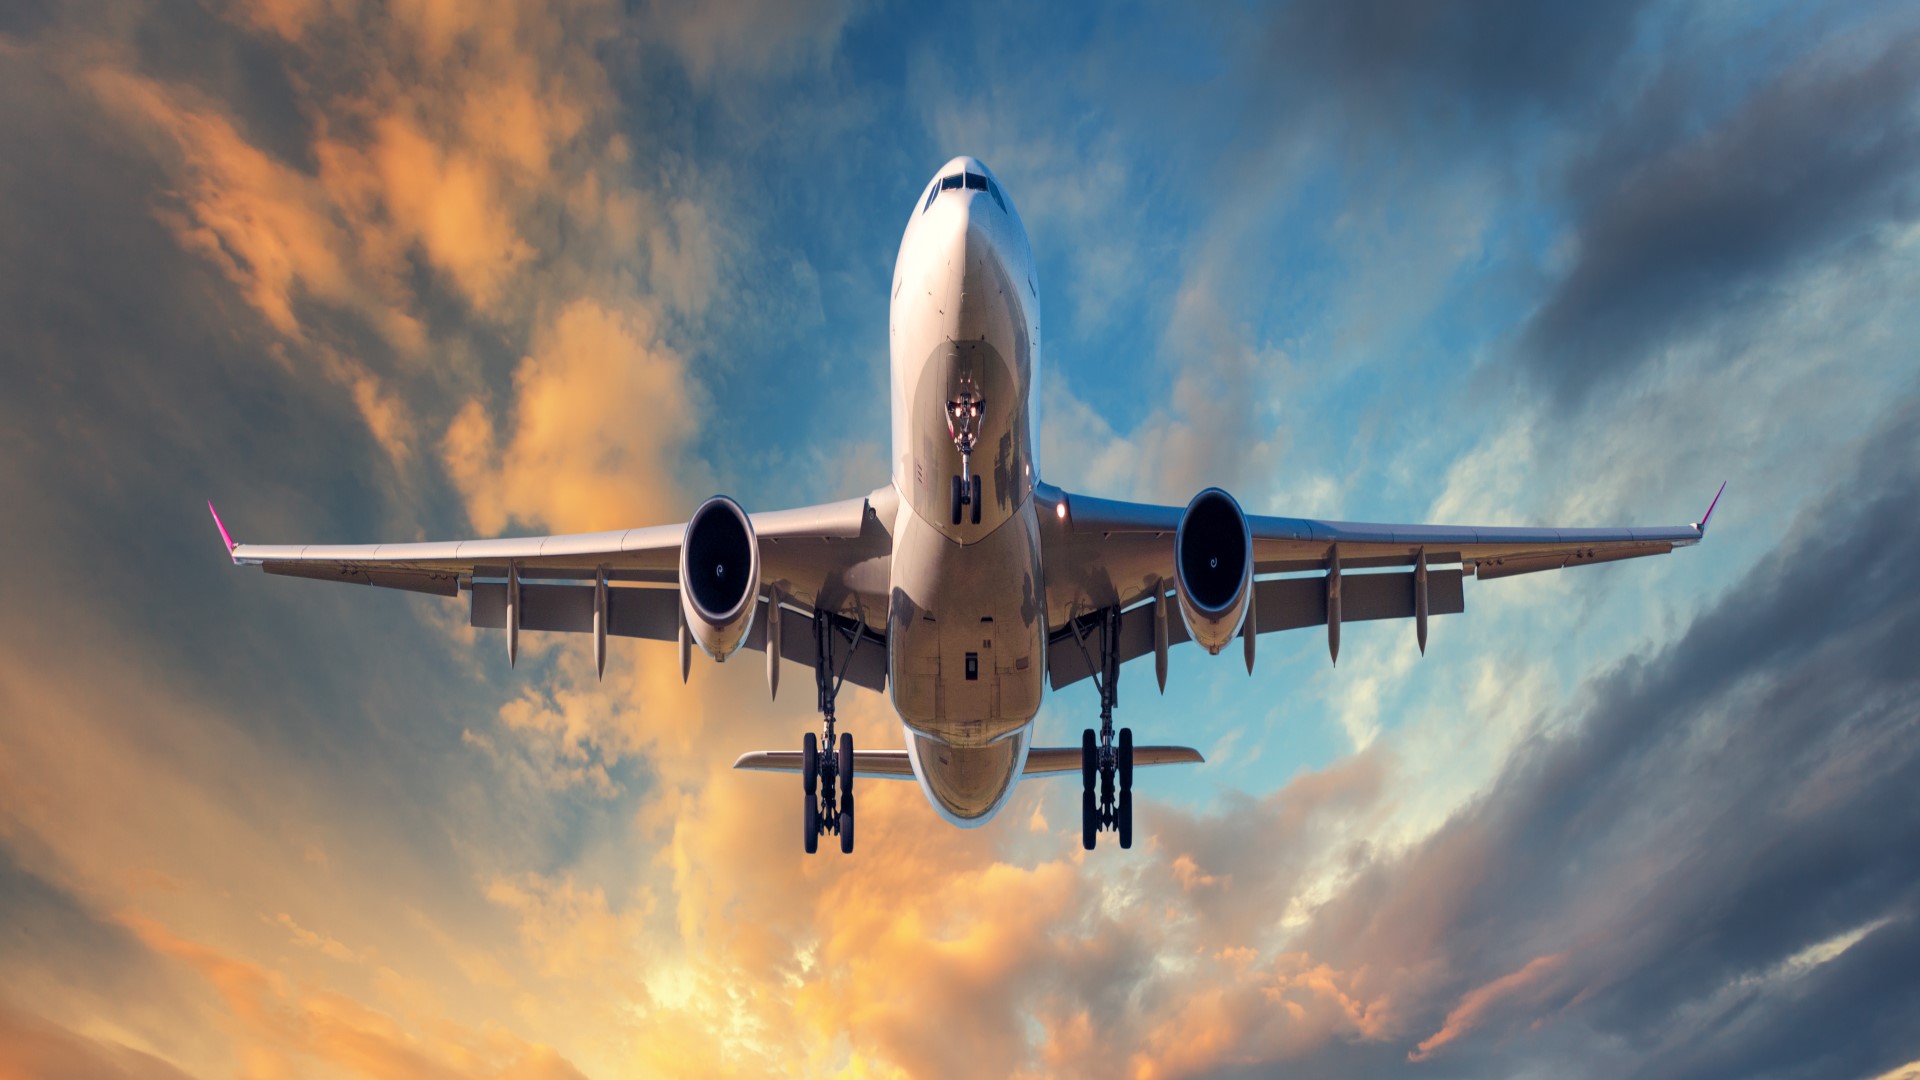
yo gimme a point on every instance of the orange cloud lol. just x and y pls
(280, 1026)
(32, 1047)
(601, 408)
(462, 137)
(1476, 1003)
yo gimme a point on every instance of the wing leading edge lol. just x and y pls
(812, 560)
(1104, 554)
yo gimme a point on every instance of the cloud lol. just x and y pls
(1456, 62)
(1480, 1000)
(759, 39)
(600, 409)
(1678, 229)
(279, 1024)
(422, 192)
(328, 842)
(1711, 810)
(33, 1047)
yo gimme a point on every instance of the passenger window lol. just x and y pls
(950, 183)
(993, 189)
(976, 182)
(932, 194)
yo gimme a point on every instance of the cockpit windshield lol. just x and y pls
(970, 181)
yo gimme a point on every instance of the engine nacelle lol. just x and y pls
(1213, 568)
(719, 576)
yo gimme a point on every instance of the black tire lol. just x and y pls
(975, 501)
(1124, 813)
(1126, 759)
(956, 500)
(810, 823)
(810, 761)
(1089, 759)
(846, 768)
(846, 826)
(1089, 820)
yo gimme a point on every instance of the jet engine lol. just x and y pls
(1213, 568)
(719, 576)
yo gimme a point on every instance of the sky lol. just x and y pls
(368, 272)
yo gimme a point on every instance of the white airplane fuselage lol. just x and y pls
(966, 614)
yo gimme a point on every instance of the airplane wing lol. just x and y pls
(1102, 555)
(812, 559)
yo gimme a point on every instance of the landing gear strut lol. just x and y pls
(1103, 763)
(963, 423)
(828, 776)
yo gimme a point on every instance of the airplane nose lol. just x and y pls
(968, 241)
(956, 221)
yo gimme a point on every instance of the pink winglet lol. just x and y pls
(222, 526)
(1709, 515)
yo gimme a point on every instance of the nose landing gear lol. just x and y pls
(963, 423)
(967, 494)
(1103, 764)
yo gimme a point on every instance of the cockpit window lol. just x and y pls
(971, 182)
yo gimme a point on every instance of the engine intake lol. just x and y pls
(1213, 568)
(719, 576)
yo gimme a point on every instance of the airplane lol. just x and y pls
(965, 586)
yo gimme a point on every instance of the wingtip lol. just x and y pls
(1708, 516)
(225, 537)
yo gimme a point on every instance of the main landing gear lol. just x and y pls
(1104, 764)
(828, 775)
(963, 423)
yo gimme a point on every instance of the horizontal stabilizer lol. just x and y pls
(885, 764)
(1049, 760)
(893, 764)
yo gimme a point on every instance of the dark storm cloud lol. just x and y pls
(1680, 227)
(1800, 1032)
(1401, 64)
(1713, 810)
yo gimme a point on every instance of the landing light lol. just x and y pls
(1060, 510)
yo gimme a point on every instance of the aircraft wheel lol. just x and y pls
(956, 500)
(846, 767)
(846, 825)
(1124, 812)
(810, 762)
(1126, 759)
(1089, 819)
(975, 501)
(1089, 759)
(810, 823)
